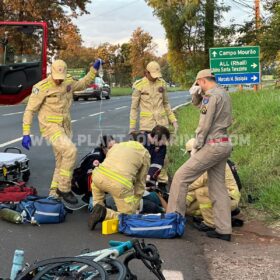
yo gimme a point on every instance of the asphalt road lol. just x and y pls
(183, 258)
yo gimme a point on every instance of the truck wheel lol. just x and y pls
(86, 98)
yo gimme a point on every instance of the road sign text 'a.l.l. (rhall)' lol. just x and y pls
(236, 65)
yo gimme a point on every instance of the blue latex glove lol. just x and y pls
(97, 63)
(26, 142)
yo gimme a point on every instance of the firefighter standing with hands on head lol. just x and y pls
(150, 96)
(52, 99)
(210, 152)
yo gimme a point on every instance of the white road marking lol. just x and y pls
(88, 102)
(11, 142)
(10, 114)
(74, 121)
(121, 108)
(173, 274)
(96, 114)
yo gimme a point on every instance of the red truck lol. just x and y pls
(23, 59)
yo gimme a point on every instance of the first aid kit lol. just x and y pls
(42, 210)
(152, 225)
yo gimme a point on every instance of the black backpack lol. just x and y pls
(81, 179)
(234, 173)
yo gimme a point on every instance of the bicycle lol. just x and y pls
(102, 264)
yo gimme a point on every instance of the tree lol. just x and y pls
(191, 27)
(141, 51)
(54, 12)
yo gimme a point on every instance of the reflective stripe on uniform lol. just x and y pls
(55, 136)
(65, 173)
(54, 185)
(132, 122)
(54, 119)
(146, 114)
(163, 113)
(115, 176)
(190, 198)
(26, 128)
(197, 213)
(205, 205)
(235, 194)
(131, 199)
(46, 86)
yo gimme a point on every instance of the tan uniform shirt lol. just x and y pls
(127, 163)
(152, 99)
(53, 103)
(215, 116)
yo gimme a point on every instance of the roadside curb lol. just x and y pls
(181, 105)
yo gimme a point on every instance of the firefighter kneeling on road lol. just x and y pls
(52, 99)
(198, 200)
(124, 172)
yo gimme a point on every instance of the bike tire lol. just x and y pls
(56, 262)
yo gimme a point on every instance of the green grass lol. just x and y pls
(124, 91)
(256, 137)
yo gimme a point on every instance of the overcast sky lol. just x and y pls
(114, 21)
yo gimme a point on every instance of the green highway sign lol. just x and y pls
(236, 65)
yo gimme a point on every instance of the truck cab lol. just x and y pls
(23, 59)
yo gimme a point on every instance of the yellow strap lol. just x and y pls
(132, 122)
(205, 205)
(65, 173)
(115, 176)
(55, 136)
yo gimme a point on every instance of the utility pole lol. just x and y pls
(258, 14)
(258, 23)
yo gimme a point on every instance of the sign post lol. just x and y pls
(236, 65)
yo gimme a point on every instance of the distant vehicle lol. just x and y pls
(98, 89)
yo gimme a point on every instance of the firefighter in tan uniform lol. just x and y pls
(123, 175)
(150, 96)
(198, 201)
(52, 99)
(211, 150)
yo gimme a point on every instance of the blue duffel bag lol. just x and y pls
(152, 225)
(42, 210)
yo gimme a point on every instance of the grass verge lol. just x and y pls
(255, 135)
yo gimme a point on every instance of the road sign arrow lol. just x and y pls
(254, 78)
(254, 65)
(214, 53)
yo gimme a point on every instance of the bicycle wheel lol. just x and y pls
(64, 268)
(115, 269)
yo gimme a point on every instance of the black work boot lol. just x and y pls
(215, 234)
(97, 215)
(68, 197)
(202, 227)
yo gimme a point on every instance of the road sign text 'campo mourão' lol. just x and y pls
(236, 65)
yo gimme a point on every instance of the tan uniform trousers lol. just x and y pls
(126, 201)
(202, 205)
(211, 158)
(65, 153)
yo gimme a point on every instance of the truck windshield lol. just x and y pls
(20, 44)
